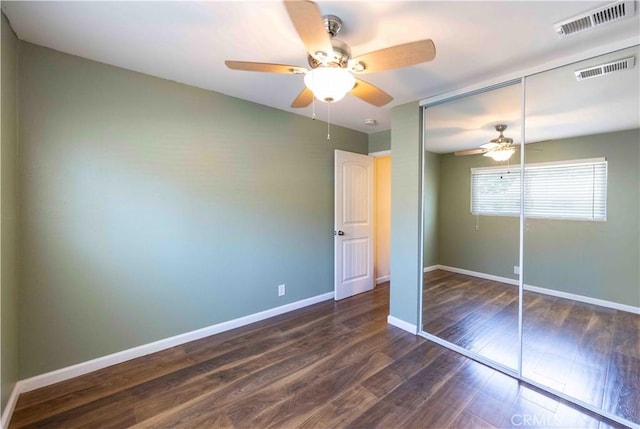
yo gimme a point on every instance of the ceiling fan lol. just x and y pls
(332, 71)
(500, 149)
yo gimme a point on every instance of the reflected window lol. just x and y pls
(495, 191)
(574, 190)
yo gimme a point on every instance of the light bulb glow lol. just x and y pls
(329, 84)
(501, 154)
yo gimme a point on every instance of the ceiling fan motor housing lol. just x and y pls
(339, 57)
(332, 24)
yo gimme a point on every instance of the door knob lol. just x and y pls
(339, 233)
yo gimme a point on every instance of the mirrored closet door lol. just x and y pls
(581, 327)
(571, 324)
(471, 232)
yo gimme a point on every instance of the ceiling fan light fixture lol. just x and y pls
(332, 67)
(329, 84)
(501, 154)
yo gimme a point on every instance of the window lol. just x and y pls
(558, 190)
(495, 191)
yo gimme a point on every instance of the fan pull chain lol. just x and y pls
(313, 108)
(328, 121)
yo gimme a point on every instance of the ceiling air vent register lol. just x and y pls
(603, 69)
(612, 12)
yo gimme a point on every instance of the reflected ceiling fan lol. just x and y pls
(332, 71)
(500, 149)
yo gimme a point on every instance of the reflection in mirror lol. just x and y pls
(471, 230)
(581, 322)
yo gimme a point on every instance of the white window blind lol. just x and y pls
(495, 191)
(576, 190)
(565, 190)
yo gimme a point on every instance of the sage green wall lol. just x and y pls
(405, 212)
(380, 141)
(431, 199)
(153, 208)
(494, 248)
(594, 259)
(9, 213)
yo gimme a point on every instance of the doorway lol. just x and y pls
(382, 219)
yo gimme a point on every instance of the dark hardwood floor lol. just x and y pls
(330, 365)
(477, 314)
(589, 352)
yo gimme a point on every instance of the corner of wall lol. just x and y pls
(8, 227)
(405, 213)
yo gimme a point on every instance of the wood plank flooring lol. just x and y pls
(477, 314)
(330, 365)
(589, 352)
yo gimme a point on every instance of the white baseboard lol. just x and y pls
(398, 323)
(478, 274)
(544, 291)
(432, 268)
(11, 405)
(383, 279)
(156, 346)
(585, 299)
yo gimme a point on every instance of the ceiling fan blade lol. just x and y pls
(303, 99)
(370, 93)
(490, 146)
(397, 56)
(265, 67)
(470, 152)
(307, 20)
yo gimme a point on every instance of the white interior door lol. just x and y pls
(353, 242)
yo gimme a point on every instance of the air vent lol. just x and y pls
(613, 12)
(603, 69)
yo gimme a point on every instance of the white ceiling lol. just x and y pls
(188, 42)
(556, 104)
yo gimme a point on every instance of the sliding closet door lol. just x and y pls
(582, 234)
(471, 223)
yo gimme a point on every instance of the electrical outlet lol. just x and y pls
(516, 269)
(281, 290)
